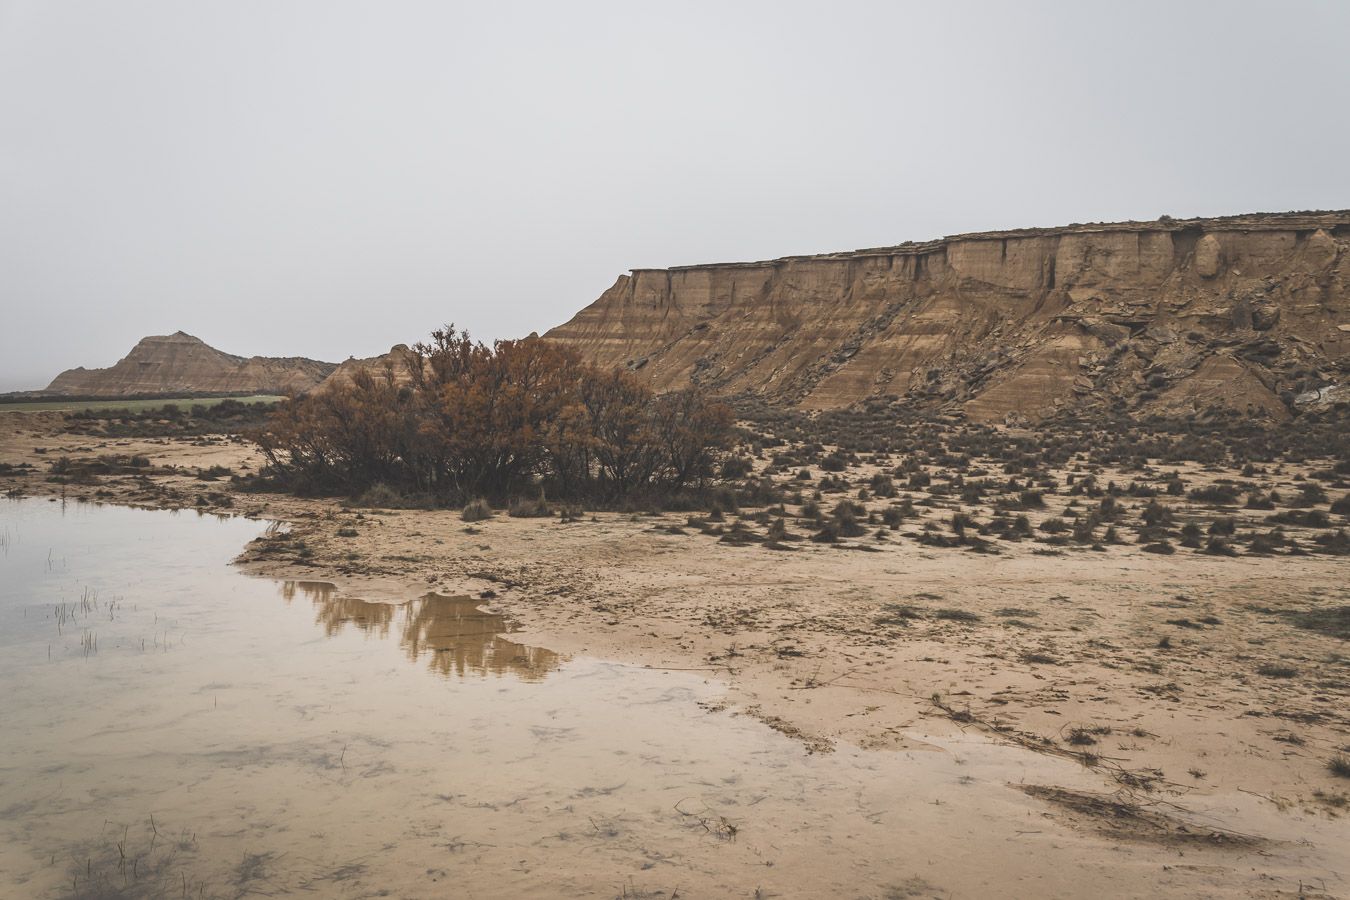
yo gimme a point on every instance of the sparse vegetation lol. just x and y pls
(159, 418)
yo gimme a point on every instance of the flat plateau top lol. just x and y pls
(1299, 221)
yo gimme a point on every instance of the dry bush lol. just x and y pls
(537, 508)
(455, 420)
(476, 511)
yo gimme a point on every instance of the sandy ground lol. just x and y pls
(1181, 681)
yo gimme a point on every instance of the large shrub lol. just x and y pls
(456, 420)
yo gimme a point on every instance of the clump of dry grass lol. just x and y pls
(1085, 735)
(476, 511)
(524, 508)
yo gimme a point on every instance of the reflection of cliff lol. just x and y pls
(453, 632)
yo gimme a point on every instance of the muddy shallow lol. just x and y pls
(172, 727)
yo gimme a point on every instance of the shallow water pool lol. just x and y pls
(172, 727)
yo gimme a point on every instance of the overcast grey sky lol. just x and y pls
(328, 178)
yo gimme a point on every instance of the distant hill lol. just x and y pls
(1171, 316)
(179, 362)
(395, 362)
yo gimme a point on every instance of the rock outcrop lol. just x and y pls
(393, 364)
(1171, 316)
(181, 363)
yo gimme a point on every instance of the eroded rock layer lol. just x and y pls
(1172, 316)
(181, 363)
(393, 364)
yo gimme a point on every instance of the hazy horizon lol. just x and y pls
(328, 179)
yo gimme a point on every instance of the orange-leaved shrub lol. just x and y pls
(454, 419)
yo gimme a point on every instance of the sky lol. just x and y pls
(329, 178)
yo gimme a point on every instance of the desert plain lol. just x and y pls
(1157, 641)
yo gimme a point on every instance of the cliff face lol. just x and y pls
(1169, 316)
(182, 363)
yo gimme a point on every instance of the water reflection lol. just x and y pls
(333, 612)
(455, 636)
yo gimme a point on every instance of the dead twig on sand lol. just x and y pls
(1132, 779)
(717, 825)
(1276, 801)
(1122, 815)
(812, 683)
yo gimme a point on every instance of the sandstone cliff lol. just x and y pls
(1171, 316)
(181, 363)
(394, 364)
